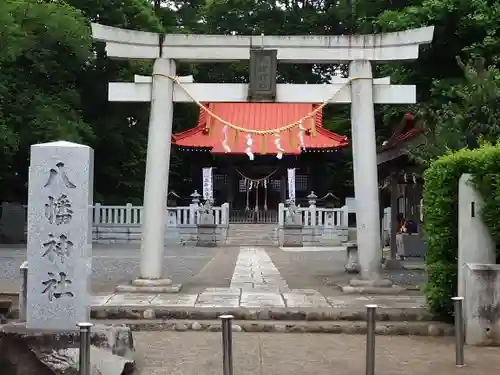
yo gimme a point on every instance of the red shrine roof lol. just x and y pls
(258, 116)
(406, 130)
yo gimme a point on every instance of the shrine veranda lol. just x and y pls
(164, 88)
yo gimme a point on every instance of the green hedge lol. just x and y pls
(440, 197)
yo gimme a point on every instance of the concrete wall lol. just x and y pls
(482, 304)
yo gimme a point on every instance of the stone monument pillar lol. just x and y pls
(60, 197)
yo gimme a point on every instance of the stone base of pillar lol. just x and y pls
(292, 235)
(149, 286)
(393, 264)
(352, 265)
(381, 286)
(207, 235)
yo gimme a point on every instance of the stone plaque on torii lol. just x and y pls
(263, 69)
(360, 89)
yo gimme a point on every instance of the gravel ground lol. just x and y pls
(171, 353)
(113, 264)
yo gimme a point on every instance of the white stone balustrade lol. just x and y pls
(321, 226)
(123, 223)
(130, 214)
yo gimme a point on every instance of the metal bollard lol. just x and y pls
(227, 344)
(84, 360)
(459, 331)
(370, 339)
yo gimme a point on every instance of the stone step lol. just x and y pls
(256, 303)
(250, 235)
(422, 328)
(247, 234)
(284, 315)
(149, 314)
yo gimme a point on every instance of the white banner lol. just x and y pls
(207, 183)
(291, 183)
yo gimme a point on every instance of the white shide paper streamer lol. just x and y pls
(225, 140)
(277, 142)
(248, 150)
(302, 145)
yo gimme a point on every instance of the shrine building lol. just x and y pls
(251, 175)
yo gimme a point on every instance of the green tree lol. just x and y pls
(120, 129)
(450, 94)
(45, 45)
(459, 113)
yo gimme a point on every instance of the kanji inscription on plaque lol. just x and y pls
(263, 67)
(58, 210)
(56, 286)
(57, 248)
(60, 172)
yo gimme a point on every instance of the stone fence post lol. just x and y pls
(128, 213)
(345, 216)
(97, 214)
(281, 214)
(225, 214)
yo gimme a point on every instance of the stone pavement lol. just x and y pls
(226, 279)
(295, 305)
(257, 299)
(255, 269)
(171, 353)
(257, 283)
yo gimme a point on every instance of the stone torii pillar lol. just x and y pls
(365, 169)
(157, 171)
(361, 89)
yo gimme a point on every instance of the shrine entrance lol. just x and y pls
(258, 193)
(256, 119)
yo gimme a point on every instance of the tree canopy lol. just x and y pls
(53, 78)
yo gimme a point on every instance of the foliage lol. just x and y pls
(457, 113)
(53, 85)
(449, 93)
(53, 79)
(47, 45)
(441, 216)
(56, 87)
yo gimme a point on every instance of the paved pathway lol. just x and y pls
(255, 270)
(256, 283)
(170, 353)
(227, 277)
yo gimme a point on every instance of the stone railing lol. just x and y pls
(326, 226)
(129, 214)
(320, 226)
(313, 216)
(123, 223)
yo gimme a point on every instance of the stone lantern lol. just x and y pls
(311, 198)
(195, 197)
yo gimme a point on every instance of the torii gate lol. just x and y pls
(360, 89)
